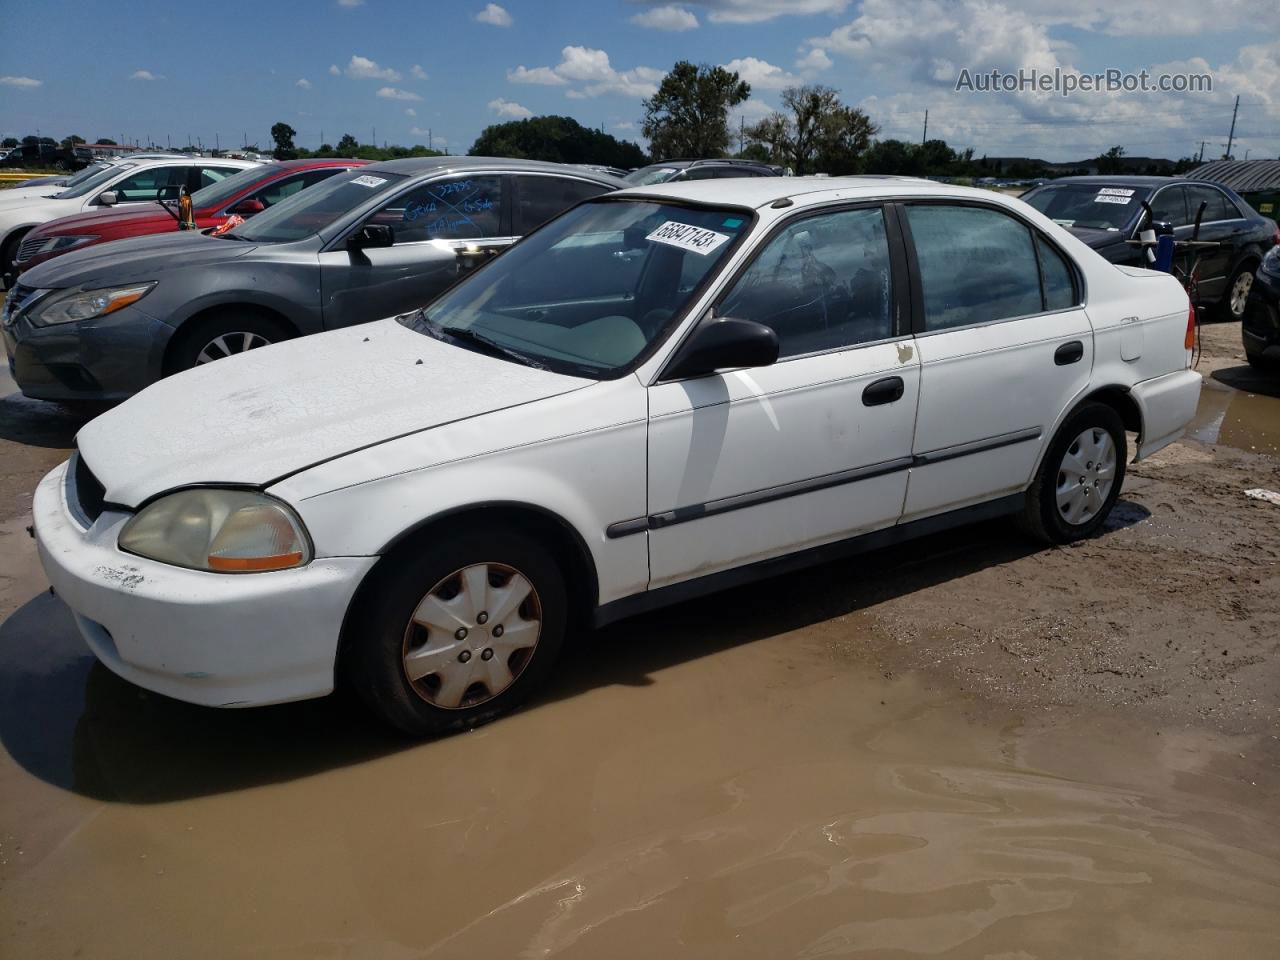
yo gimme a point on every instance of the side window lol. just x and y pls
(976, 265)
(154, 183)
(278, 190)
(457, 208)
(1059, 288)
(1217, 206)
(208, 175)
(541, 198)
(823, 282)
(1170, 205)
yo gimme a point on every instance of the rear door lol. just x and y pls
(539, 197)
(438, 227)
(1222, 222)
(1005, 346)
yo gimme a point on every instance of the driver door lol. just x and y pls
(746, 465)
(432, 223)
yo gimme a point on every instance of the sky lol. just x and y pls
(405, 71)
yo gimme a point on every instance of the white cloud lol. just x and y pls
(671, 17)
(145, 75)
(417, 72)
(335, 70)
(592, 74)
(494, 15)
(815, 61)
(392, 93)
(410, 112)
(761, 74)
(624, 125)
(537, 75)
(758, 11)
(419, 131)
(26, 83)
(303, 83)
(509, 108)
(362, 68)
(350, 3)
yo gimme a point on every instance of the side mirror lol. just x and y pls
(108, 198)
(724, 344)
(371, 236)
(248, 207)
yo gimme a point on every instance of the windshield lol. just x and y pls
(87, 173)
(649, 176)
(96, 181)
(1089, 206)
(591, 291)
(310, 211)
(216, 194)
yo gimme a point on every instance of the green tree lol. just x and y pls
(347, 146)
(106, 140)
(326, 150)
(689, 115)
(283, 135)
(893, 157)
(9, 142)
(816, 133)
(72, 140)
(1111, 161)
(556, 139)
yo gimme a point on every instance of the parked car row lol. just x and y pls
(662, 391)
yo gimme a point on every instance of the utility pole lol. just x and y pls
(925, 136)
(373, 137)
(742, 134)
(1232, 135)
(430, 146)
(217, 143)
(1200, 159)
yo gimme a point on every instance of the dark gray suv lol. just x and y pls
(374, 242)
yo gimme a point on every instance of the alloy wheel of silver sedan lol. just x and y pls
(1240, 293)
(472, 635)
(1085, 476)
(226, 344)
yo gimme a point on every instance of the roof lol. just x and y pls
(413, 166)
(1241, 175)
(314, 163)
(761, 191)
(1132, 180)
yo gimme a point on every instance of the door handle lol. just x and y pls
(884, 390)
(1069, 352)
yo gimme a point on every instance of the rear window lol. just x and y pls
(1089, 206)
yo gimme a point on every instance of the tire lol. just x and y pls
(1232, 305)
(221, 334)
(1260, 363)
(9, 252)
(389, 633)
(1070, 458)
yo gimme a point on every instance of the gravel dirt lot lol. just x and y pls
(967, 746)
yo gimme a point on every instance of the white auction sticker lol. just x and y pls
(1115, 192)
(368, 181)
(1104, 199)
(688, 237)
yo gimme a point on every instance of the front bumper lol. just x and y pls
(227, 640)
(110, 358)
(1260, 327)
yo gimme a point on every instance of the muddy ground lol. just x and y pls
(968, 746)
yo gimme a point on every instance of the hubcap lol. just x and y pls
(239, 341)
(472, 635)
(1240, 293)
(1085, 477)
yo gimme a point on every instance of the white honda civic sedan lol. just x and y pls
(663, 392)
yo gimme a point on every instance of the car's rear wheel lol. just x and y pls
(1080, 477)
(1232, 305)
(9, 253)
(458, 633)
(1260, 363)
(221, 335)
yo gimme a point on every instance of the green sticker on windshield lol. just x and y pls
(732, 223)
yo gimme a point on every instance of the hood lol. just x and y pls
(95, 222)
(256, 417)
(1097, 239)
(16, 195)
(134, 258)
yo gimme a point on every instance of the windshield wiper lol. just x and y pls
(492, 347)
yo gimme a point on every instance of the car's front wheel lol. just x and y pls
(223, 334)
(459, 632)
(1080, 477)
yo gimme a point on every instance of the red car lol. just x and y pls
(240, 195)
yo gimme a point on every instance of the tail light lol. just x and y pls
(1190, 340)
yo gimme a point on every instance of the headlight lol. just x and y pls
(224, 531)
(1271, 262)
(73, 306)
(59, 245)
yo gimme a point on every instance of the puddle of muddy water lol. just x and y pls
(674, 795)
(1237, 418)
